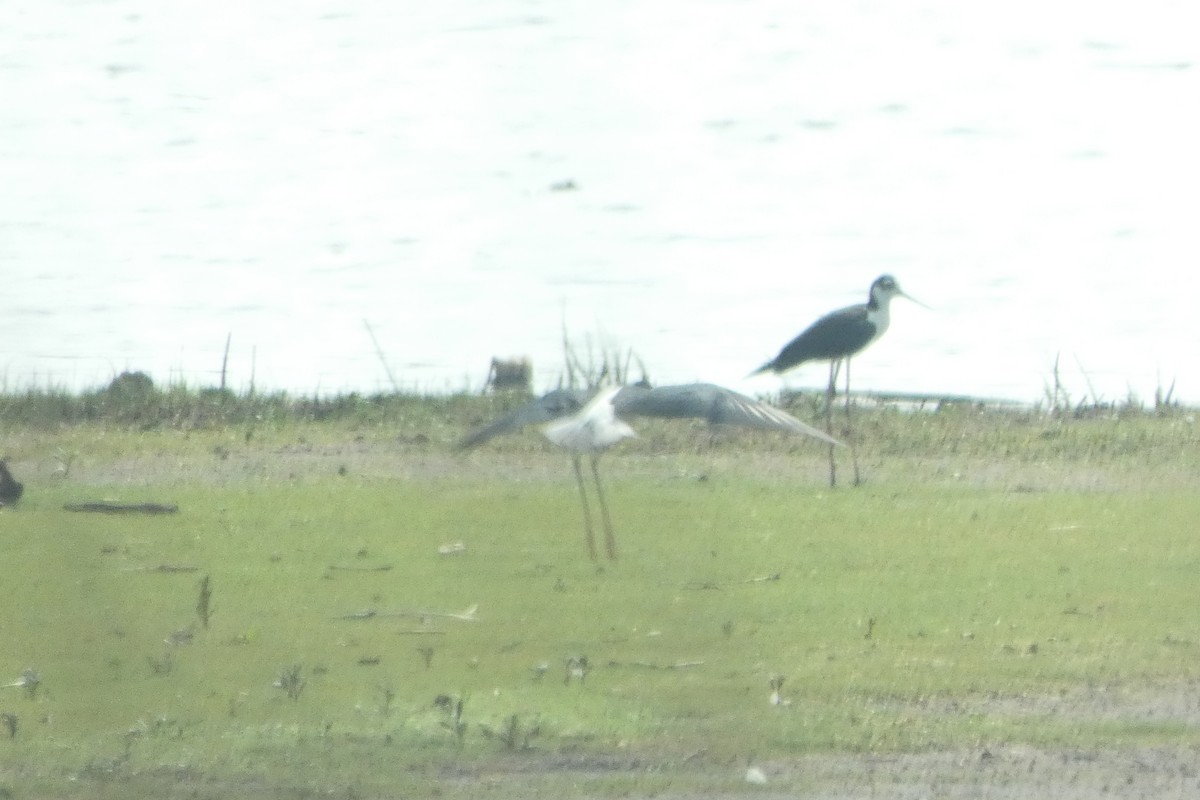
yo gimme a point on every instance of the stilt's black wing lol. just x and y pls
(836, 335)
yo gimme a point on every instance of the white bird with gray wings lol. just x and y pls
(574, 422)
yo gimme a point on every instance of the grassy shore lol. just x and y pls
(344, 606)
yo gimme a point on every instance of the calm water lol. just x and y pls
(174, 172)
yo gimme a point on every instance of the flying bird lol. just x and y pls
(835, 338)
(587, 423)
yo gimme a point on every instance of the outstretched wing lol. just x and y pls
(716, 404)
(550, 406)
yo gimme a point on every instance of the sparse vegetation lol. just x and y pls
(1007, 577)
(204, 601)
(291, 681)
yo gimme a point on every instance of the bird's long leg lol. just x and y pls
(587, 514)
(829, 394)
(850, 429)
(610, 541)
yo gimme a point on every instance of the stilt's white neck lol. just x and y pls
(879, 313)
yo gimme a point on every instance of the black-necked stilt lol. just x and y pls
(573, 421)
(835, 338)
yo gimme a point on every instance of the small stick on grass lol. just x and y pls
(380, 568)
(165, 568)
(466, 615)
(204, 601)
(105, 507)
(649, 665)
(30, 680)
(713, 585)
(354, 616)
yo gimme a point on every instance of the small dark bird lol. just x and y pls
(836, 337)
(10, 488)
(587, 423)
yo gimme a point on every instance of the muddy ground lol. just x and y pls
(1000, 773)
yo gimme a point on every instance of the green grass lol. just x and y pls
(998, 570)
(900, 613)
